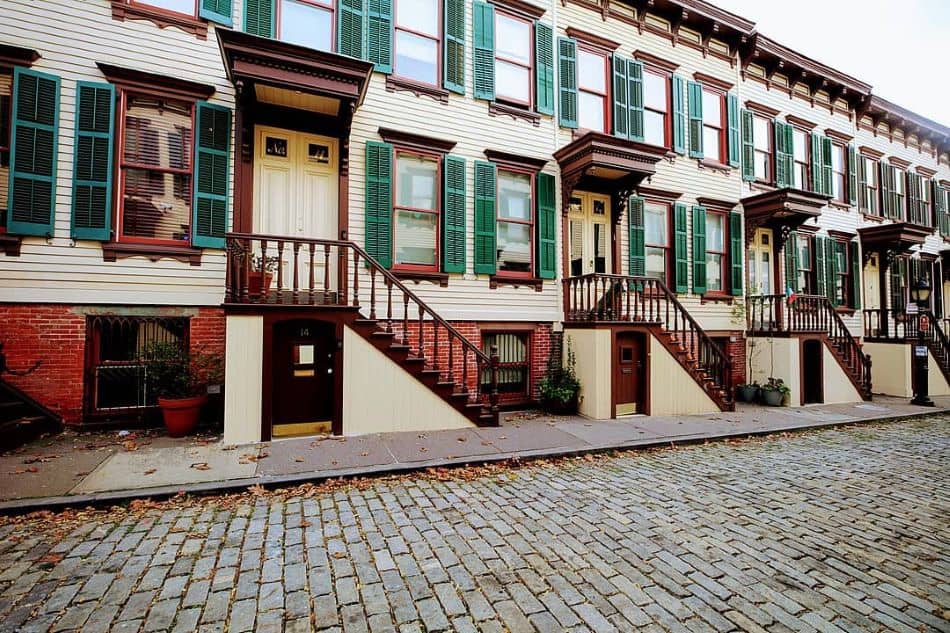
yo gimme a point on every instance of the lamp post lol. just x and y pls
(920, 294)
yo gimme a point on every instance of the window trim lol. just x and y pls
(669, 262)
(437, 211)
(843, 197)
(134, 10)
(331, 6)
(533, 175)
(438, 38)
(5, 136)
(724, 262)
(150, 4)
(667, 76)
(808, 177)
(872, 167)
(770, 152)
(502, 11)
(721, 158)
(607, 95)
(807, 268)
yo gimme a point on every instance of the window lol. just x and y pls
(513, 367)
(656, 107)
(307, 23)
(717, 259)
(515, 223)
(806, 266)
(6, 91)
(417, 40)
(188, 7)
(513, 59)
(839, 175)
(897, 193)
(800, 142)
(714, 124)
(842, 289)
(155, 169)
(868, 199)
(592, 84)
(762, 149)
(656, 225)
(416, 221)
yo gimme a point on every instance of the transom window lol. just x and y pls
(417, 40)
(515, 240)
(188, 7)
(591, 90)
(713, 124)
(156, 169)
(512, 59)
(656, 107)
(306, 22)
(716, 257)
(762, 137)
(416, 222)
(800, 143)
(656, 238)
(839, 176)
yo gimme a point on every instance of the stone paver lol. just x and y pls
(836, 530)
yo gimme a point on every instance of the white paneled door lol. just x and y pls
(589, 234)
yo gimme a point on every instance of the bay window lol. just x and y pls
(656, 225)
(513, 49)
(762, 148)
(592, 82)
(656, 107)
(717, 257)
(800, 149)
(416, 212)
(714, 125)
(308, 23)
(417, 40)
(515, 223)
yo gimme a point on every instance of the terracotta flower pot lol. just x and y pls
(181, 414)
(258, 283)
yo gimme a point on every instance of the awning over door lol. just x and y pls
(781, 209)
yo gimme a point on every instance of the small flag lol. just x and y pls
(790, 295)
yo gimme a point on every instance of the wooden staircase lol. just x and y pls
(337, 274)
(939, 345)
(648, 302)
(23, 419)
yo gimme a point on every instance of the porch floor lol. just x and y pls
(78, 469)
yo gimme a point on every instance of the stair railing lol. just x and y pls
(292, 271)
(847, 346)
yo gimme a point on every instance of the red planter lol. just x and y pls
(181, 414)
(258, 283)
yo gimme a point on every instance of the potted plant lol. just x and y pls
(178, 378)
(746, 392)
(560, 386)
(774, 392)
(261, 274)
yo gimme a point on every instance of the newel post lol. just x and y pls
(493, 396)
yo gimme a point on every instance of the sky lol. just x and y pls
(901, 48)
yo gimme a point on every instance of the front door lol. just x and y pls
(304, 352)
(589, 234)
(295, 194)
(760, 263)
(629, 373)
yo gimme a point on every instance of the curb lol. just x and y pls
(115, 497)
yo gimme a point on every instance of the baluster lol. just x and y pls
(228, 271)
(263, 292)
(280, 271)
(389, 305)
(464, 368)
(435, 346)
(372, 293)
(451, 341)
(588, 304)
(356, 279)
(326, 273)
(493, 396)
(296, 295)
(422, 344)
(310, 276)
(405, 318)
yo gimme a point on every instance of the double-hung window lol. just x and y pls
(416, 212)
(513, 53)
(714, 124)
(868, 193)
(762, 148)
(839, 173)
(842, 270)
(806, 269)
(800, 150)
(417, 40)
(656, 107)
(515, 228)
(306, 22)
(656, 225)
(592, 82)
(717, 256)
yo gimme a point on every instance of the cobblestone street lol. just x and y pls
(834, 530)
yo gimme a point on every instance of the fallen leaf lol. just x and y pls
(257, 490)
(298, 459)
(130, 445)
(39, 458)
(462, 439)
(201, 466)
(364, 454)
(51, 558)
(423, 449)
(150, 471)
(338, 555)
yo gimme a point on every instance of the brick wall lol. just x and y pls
(736, 352)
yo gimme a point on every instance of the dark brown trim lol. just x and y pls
(926, 172)
(505, 159)
(10, 244)
(111, 251)
(122, 10)
(151, 83)
(415, 141)
(650, 192)
(715, 203)
(395, 84)
(870, 152)
(520, 7)
(17, 55)
(898, 162)
(592, 39)
(841, 137)
(501, 280)
(709, 80)
(841, 236)
(418, 276)
(807, 229)
(653, 60)
(515, 112)
(717, 297)
(800, 123)
(710, 163)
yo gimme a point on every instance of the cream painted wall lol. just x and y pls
(592, 353)
(890, 368)
(243, 365)
(936, 383)
(837, 386)
(672, 390)
(780, 358)
(387, 398)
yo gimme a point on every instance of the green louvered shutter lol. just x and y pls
(486, 256)
(791, 262)
(940, 208)
(856, 278)
(732, 107)
(92, 161)
(681, 247)
(547, 228)
(453, 216)
(34, 133)
(636, 245)
(862, 188)
(259, 18)
(748, 146)
(852, 175)
(453, 71)
(212, 162)
(910, 190)
(820, 275)
(350, 32)
(695, 100)
(379, 34)
(699, 250)
(567, 81)
(216, 11)
(884, 169)
(379, 202)
(679, 116)
(735, 252)
(897, 272)
(621, 102)
(826, 174)
(544, 65)
(784, 160)
(816, 183)
(635, 97)
(835, 253)
(483, 44)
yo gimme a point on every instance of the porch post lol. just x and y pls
(883, 267)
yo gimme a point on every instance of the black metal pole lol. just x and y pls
(922, 388)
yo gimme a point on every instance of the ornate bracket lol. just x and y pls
(568, 182)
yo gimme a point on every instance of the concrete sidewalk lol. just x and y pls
(56, 473)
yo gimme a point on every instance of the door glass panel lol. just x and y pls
(303, 355)
(577, 248)
(765, 273)
(600, 248)
(626, 354)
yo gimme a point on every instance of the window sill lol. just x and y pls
(10, 244)
(715, 165)
(872, 217)
(394, 84)
(111, 251)
(717, 297)
(124, 11)
(418, 276)
(495, 108)
(761, 185)
(502, 280)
